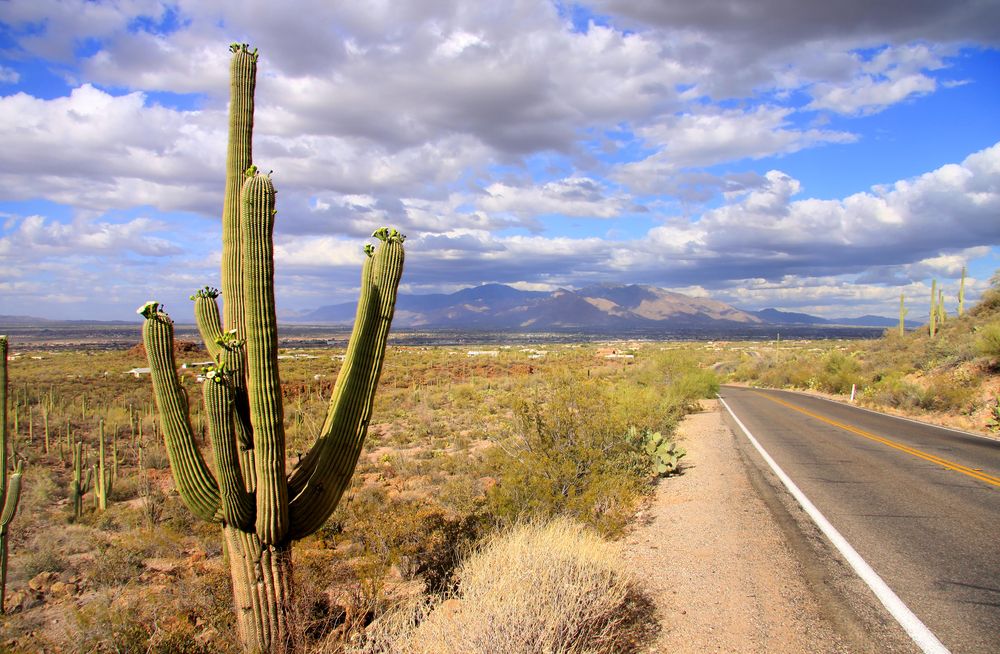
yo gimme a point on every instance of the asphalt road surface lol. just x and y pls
(920, 504)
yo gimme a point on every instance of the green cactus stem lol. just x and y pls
(103, 479)
(80, 483)
(260, 505)
(961, 292)
(932, 324)
(10, 490)
(902, 315)
(942, 313)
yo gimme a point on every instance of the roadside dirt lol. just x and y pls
(724, 573)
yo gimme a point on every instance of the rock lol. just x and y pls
(62, 589)
(15, 601)
(42, 581)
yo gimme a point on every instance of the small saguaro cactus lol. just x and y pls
(932, 324)
(902, 315)
(103, 478)
(961, 292)
(80, 483)
(10, 491)
(260, 505)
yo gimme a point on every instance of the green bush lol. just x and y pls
(988, 341)
(568, 455)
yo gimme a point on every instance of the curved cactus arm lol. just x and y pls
(9, 511)
(263, 383)
(239, 157)
(237, 504)
(206, 316)
(320, 481)
(195, 483)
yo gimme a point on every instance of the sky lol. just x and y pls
(800, 154)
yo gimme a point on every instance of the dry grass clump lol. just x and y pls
(543, 587)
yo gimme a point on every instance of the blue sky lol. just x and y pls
(809, 156)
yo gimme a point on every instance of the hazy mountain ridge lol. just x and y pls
(604, 307)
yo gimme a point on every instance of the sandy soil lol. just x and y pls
(722, 571)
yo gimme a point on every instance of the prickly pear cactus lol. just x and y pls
(665, 454)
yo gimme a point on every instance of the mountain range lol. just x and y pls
(606, 307)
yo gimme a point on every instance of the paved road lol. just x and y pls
(920, 504)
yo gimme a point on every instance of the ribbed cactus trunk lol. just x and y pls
(260, 506)
(10, 494)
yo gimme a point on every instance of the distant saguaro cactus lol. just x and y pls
(902, 315)
(261, 507)
(10, 493)
(961, 293)
(932, 324)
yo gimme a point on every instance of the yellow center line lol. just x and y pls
(950, 465)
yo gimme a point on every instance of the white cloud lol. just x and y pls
(716, 136)
(572, 196)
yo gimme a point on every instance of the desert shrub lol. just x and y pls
(42, 559)
(541, 587)
(567, 454)
(894, 392)
(988, 341)
(947, 394)
(839, 372)
(115, 565)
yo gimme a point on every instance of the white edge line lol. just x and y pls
(878, 413)
(916, 629)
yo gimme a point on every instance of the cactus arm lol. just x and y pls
(195, 483)
(263, 383)
(318, 485)
(237, 504)
(206, 316)
(239, 157)
(9, 511)
(206, 313)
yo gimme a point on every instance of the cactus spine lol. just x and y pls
(961, 293)
(10, 492)
(260, 505)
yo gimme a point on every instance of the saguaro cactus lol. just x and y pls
(80, 483)
(261, 506)
(932, 325)
(103, 478)
(10, 493)
(902, 315)
(961, 293)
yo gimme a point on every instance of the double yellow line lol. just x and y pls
(944, 463)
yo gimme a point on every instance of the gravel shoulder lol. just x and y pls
(732, 569)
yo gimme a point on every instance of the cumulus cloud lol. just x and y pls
(470, 125)
(715, 136)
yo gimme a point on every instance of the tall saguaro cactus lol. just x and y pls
(261, 506)
(10, 492)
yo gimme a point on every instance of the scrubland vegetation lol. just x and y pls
(467, 458)
(951, 377)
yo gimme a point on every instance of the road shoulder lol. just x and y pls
(722, 568)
